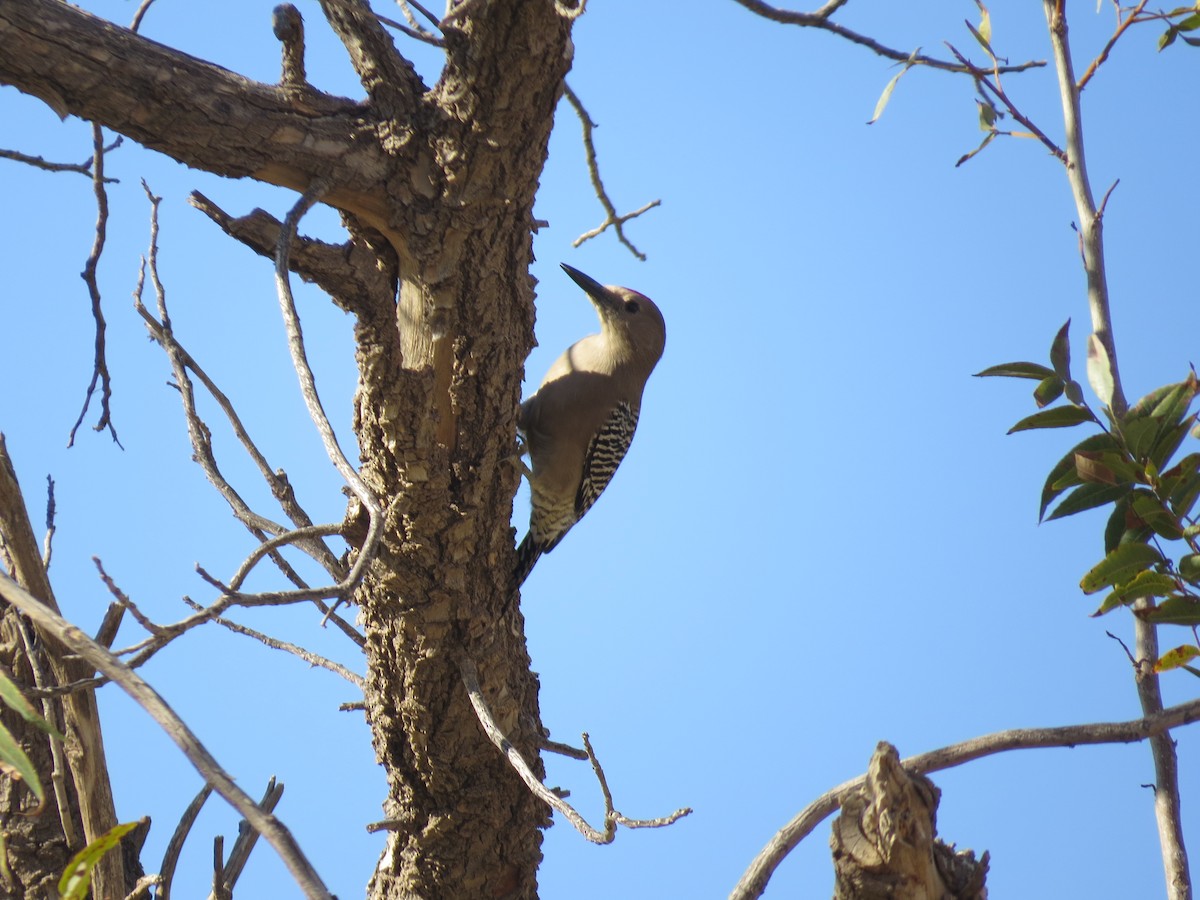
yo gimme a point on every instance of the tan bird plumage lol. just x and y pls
(579, 423)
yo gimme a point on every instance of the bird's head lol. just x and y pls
(630, 321)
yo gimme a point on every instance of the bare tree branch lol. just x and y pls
(83, 168)
(181, 363)
(1102, 58)
(166, 872)
(149, 699)
(194, 111)
(247, 838)
(308, 656)
(612, 218)
(754, 881)
(612, 818)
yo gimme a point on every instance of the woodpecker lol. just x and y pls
(579, 423)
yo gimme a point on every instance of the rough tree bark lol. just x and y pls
(885, 844)
(77, 785)
(436, 186)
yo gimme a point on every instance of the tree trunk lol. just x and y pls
(437, 189)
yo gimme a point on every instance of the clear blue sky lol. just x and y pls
(821, 538)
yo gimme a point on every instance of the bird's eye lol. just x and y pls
(631, 306)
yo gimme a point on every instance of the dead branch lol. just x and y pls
(754, 881)
(612, 818)
(1102, 58)
(83, 168)
(308, 389)
(166, 872)
(100, 373)
(247, 838)
(182, 363)
(612, 218)
(354, 288)
(129, 681)
(308, 656)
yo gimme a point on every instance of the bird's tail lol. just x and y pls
(527, 556)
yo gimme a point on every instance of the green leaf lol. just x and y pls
(1066, 467)
(77, 877)
(1058, 417)
(882, 102)
(1017, 370)
(1146, 584)
(1099, 370)
(15, 763)
(984, 32)
(1174, 406)
(1086, 497)
(987, 139)
(1180, 656)
(1175, 610)
(1189, 568)
(15, 700)
(1139, 436)
(1185, 492)
(1060, 352)
(1191, 23)
(1167, 38)
(1074, 393)
(1120, 566)
(1149, 509)
(1048, 390)
(987, 116)
(1169, 441)
(1147, 404)
(1191, 42)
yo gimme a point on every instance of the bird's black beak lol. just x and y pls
(600, 295)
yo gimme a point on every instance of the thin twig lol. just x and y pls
(123, 599)
(405, 4)
(612, 818)
(308, 656)
(182, 363)
(415, 32)
(149, 699)
(612, 218)
(247, 838)
(1122, 24)
(820, 20)
(564, 749)
(308, 387)
(84, 168)
(754, 881)
(100, 372)
(997, 91)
